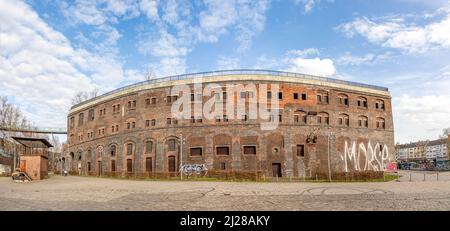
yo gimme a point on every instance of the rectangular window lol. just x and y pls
(153, 122)
(222, 150)
(280, 95)
(304, 119)
(147, 123)
(325, 98)
(172, 145)
(113, 165)
(134, 103)
(223, 166)
(319, 98)
(129, 149)
(128, 125)
(174, 98)
(303, 96)
(224, 95)
(192, 119)
(129, 104)
(296, 118)
(169, 120)
(169, 99)
(133, 124)
(192, 97)
(295, 95)
(280, 118)
(147, 102)
(250, 150)
(117, 128)
(243, 95)
(340, 121)
(301, 150)
(153, 100)
(148, 147)
(269, 95)
(196, 151)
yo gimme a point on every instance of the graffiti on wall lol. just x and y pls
(375, 157)
(189, 169)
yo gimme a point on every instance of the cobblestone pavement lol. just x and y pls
(90, 193)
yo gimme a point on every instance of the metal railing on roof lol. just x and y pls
(232, 72)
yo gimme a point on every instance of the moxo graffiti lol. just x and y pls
(374, 157)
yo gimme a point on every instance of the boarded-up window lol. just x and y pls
(300, 150)
(148, 147)
(171, 145)
(223, 150)
(250, 150)
(129, 165)
(148, 164)
(196, 151)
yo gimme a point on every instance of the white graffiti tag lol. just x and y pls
(189, 169)
(375, 157)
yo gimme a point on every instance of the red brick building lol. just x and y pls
(323, 125)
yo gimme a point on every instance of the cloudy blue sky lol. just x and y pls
(49, 50)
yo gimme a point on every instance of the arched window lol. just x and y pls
(363, 122)
(148, 147)
(344, 120)
(322, 97)
(323, 118)
(113, 150)
(129, 149)
(72, 155)
(379, 104)
(300, 117)
(381, 123)
(362, 102)
(171, 144)
(343, 99)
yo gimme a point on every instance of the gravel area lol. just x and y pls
(91, 193)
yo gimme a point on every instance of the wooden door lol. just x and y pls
(148, 164)
(129, 165)
(171, 163)
(23, 165)
(113, 165)
(99, 168)
(276, 169)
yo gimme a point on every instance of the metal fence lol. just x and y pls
(233, 72)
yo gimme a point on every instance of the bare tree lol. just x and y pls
(84, 95)
(445, 133)
(149, 75)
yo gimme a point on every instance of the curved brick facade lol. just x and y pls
(141, 135)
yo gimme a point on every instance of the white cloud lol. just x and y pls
(304, 53)
(296, 61)
(316, 66)
(177, 31)
(397, 34)
(40, 68)
(349, 59)
(150, 8)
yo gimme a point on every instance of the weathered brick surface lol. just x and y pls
(276, 146)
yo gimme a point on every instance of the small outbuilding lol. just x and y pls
(33, 154)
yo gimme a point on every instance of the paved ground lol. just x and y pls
(89, 193)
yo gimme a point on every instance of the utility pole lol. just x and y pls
(329, 164)
(181, 156)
